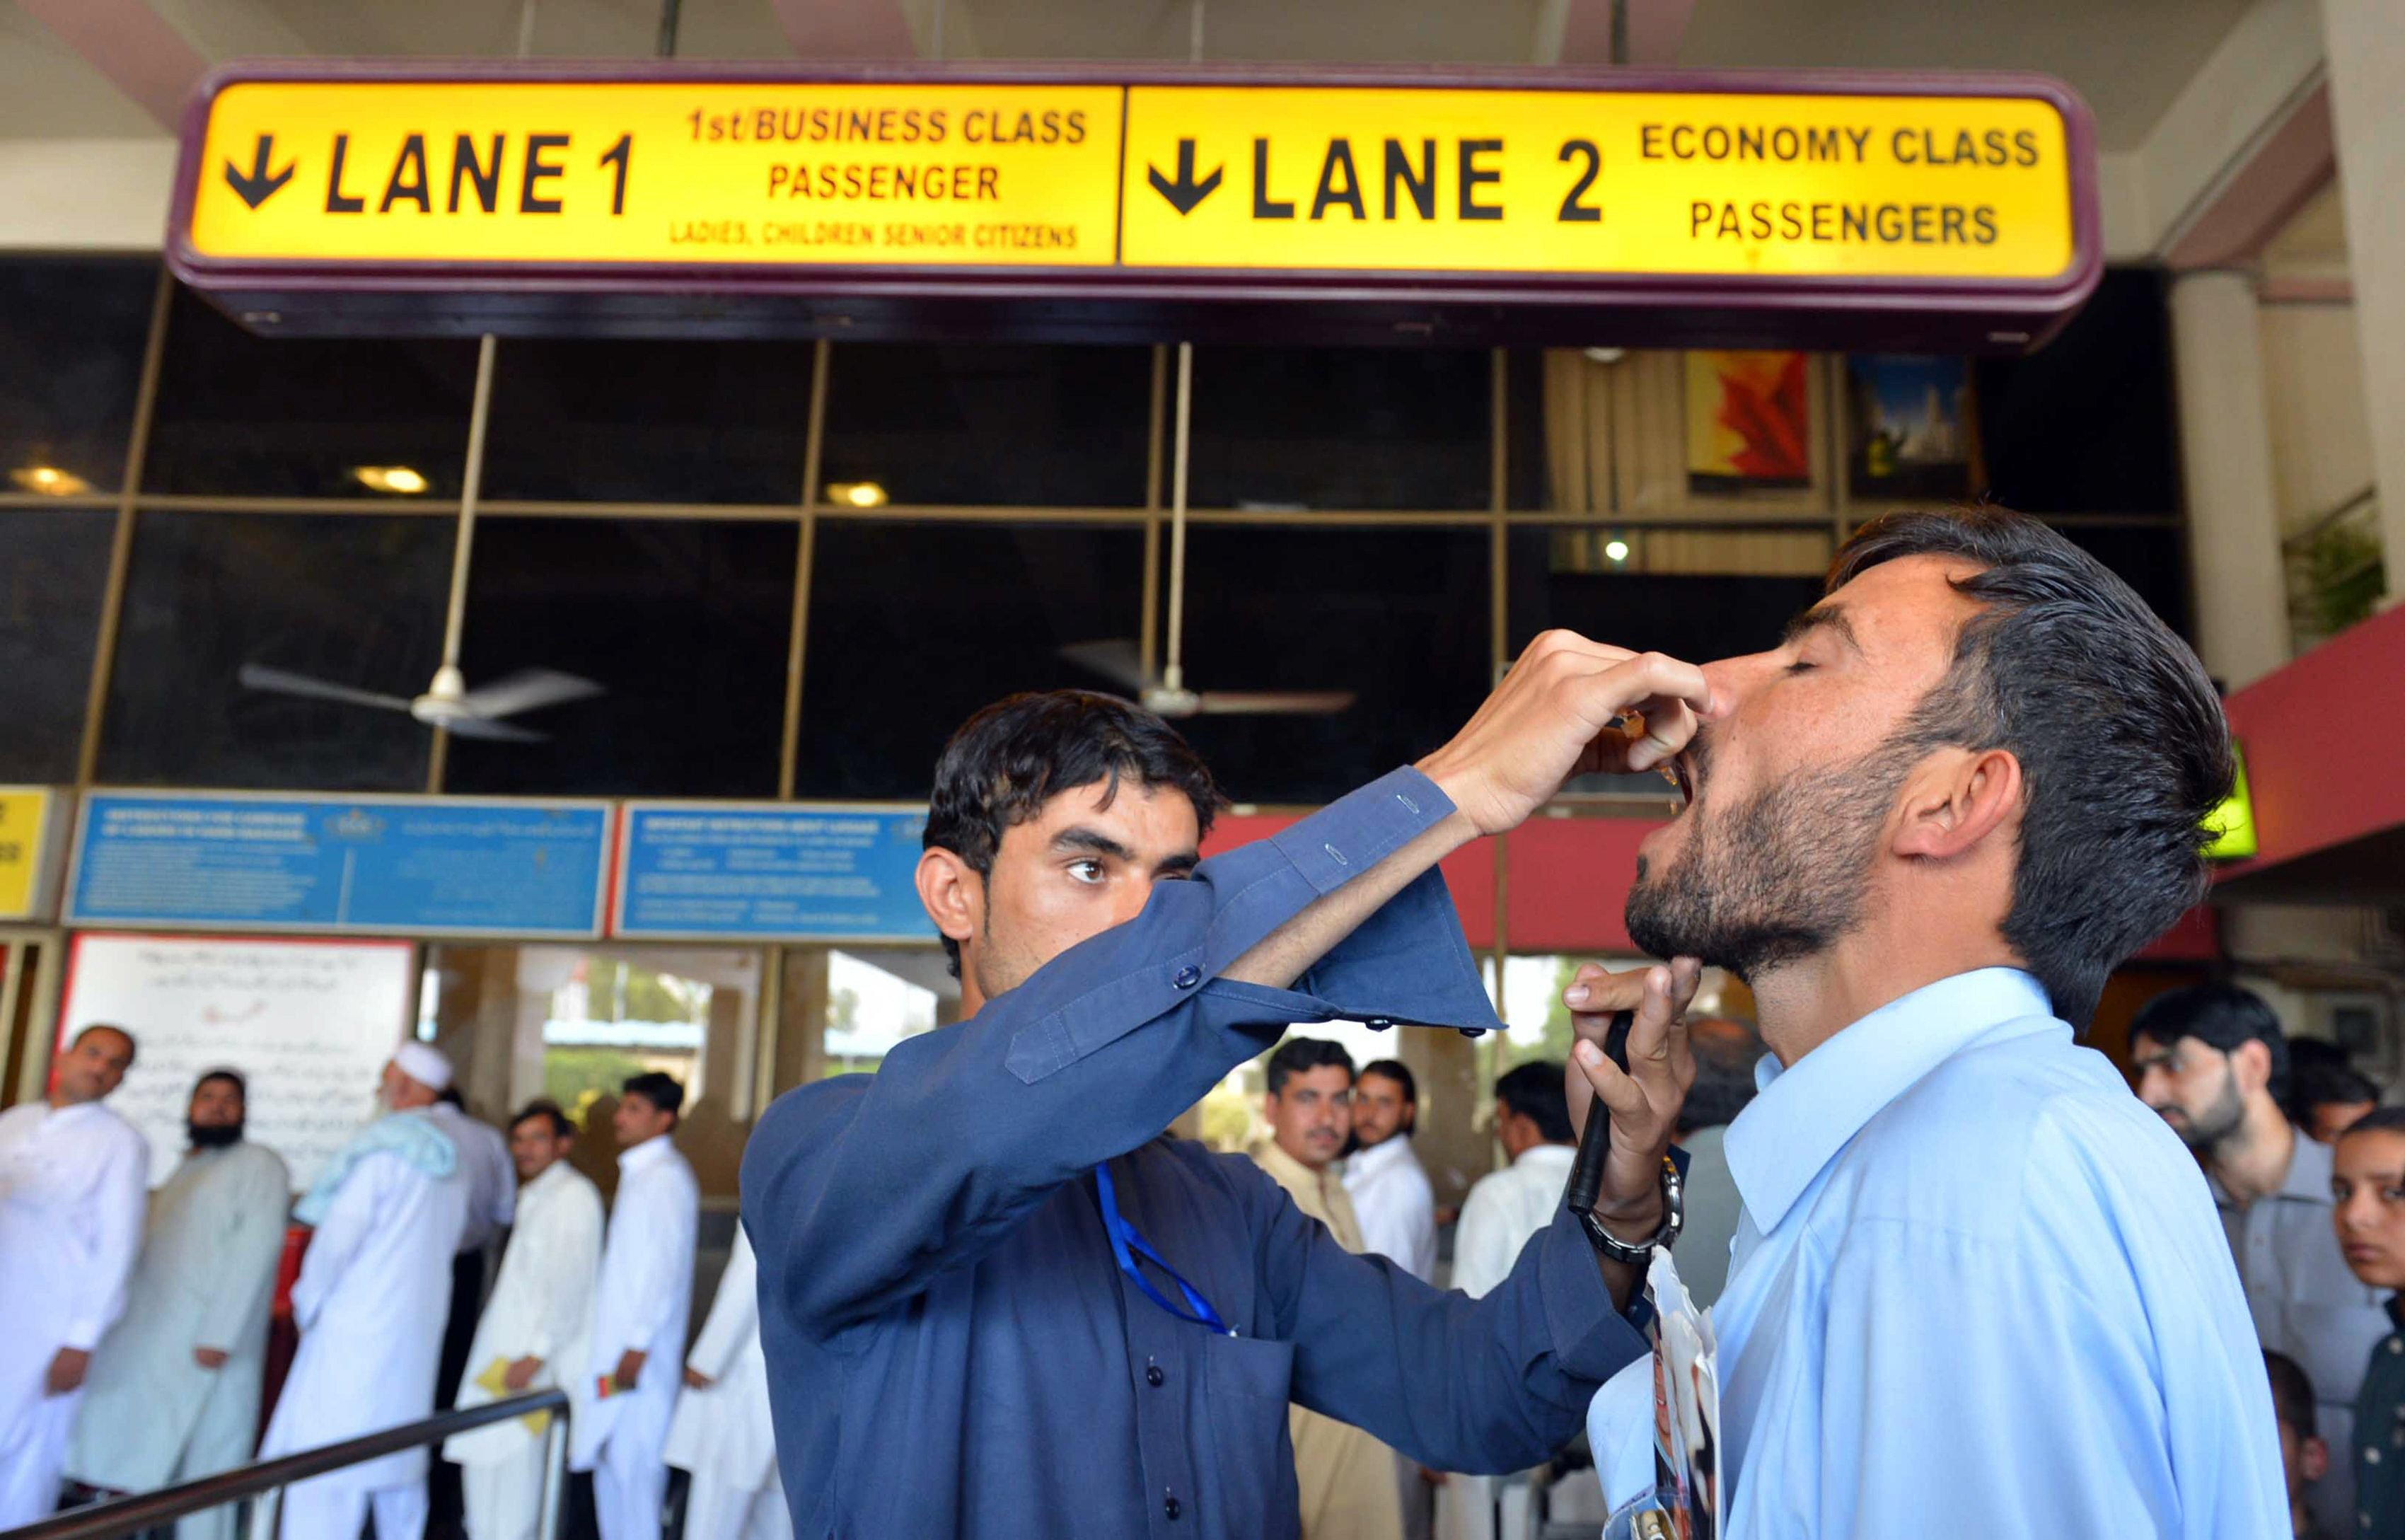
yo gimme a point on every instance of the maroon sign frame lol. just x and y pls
(334, 297)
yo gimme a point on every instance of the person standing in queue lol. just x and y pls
(995, 1301)
(1978, 1288)
(640, 1312)
(536, 1329)
(73, 1175)
(175, 1384)
(374, 1292)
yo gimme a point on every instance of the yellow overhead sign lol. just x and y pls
(24, 830)
(1138, 178)
(630, 171)
(1543, 181)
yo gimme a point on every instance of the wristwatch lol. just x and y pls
(1674, 1214)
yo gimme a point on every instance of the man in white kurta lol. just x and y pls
(374, 1288)
(639, 1315)
(537, 1328)
(173, 1394)
(1396, 1208)
(1389, 1189)
(1532, 1123)
(72, 1179)
(721, 1434)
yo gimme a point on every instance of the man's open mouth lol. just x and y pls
(1681, 772)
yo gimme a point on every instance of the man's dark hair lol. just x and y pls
(449, 1097)
(2318, 1084)
(661, 1091)
(1010, 759)
(2221, 1016)
(561, 1128)
(133, 1047)
(1300, 1055)
(2318, 1052)
(2292, 1393)
(2380, 1119)
(1395, 1070)
(230, 1077)
(2123, 748)
(1534, 1091)
(1725, 1051)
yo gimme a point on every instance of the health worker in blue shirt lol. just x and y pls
(1978, 1290)
(996, 1301)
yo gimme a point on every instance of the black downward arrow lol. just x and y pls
(1185, 193)
(258, 187)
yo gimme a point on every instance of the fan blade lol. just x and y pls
(1115, 660)
(528, 689)
(1275, 702)
(259, 676)
(498, 732)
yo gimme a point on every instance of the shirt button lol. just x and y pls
(1188, 977)
(1153, 1376)
(1379, 1023)
(2396, 1344)
(1171, 1506)
(2371, 1456)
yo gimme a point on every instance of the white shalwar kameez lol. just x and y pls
(541, 1306)
(722, 1434)
(152, 1415)
(72, 1185)
(643, 1304)
(374, 1292)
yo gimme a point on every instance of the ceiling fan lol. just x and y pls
(1118, 662)
(447, 703)
(1165, 694)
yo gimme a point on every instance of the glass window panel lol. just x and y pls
(53, 574)
(574, 1023)
(1529, 479)
(995, 426)
(2151, 558)
(1341, 428)
(685, 623)
(649, 421)
(71, 336)
(877, 999)
(1398, 616)
(914, 625)
(352, 599)
(2084, 425)
(294, 416)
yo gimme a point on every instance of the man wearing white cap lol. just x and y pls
(374, 1292)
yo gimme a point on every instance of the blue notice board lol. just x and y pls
(428, 865)
(790, 871)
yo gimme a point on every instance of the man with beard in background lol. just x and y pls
(1978, 1288)
(175, 1384)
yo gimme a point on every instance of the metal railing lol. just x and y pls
(130, 1515)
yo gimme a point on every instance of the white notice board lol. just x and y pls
(308, 1023)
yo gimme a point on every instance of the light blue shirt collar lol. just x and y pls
(1807, 1112)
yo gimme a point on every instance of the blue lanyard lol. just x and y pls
(1126, 1244)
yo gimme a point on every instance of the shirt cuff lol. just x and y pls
(1594, 1341)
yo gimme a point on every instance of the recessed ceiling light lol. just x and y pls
(1616, 549)
(391, 478)
(49, 480)
(856, 494)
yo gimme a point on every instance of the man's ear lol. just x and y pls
(1956, 800)
(2313, 1458)
(951, 893)
(2250, 1062)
